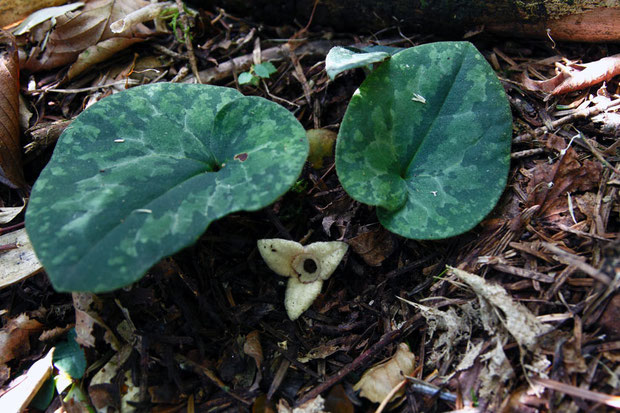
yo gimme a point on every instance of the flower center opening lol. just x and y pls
(310, 266)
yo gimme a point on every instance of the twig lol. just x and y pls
(598, 154)
(585, 113)
(570, 259)
(361, 360)
(11, 228)
(306, 87)
(526, 153)
(420, 386)
(188, 41)
(609, 400)
(524, 272)
(8, 247)
(273, 54)
(210, 375)
(170, 53)
(45, 135)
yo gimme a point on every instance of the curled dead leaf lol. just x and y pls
(18, 263)
(12, 11)
(373, 246)
(576, 76)
(11, 172)
(377, 382)
(15, 337)
(316, 405)
(518, 320)
(77, 32)
(253, 348)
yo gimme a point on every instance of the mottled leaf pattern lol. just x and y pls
(426, 138)
(141, 174)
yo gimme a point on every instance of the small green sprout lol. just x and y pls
(256, 73)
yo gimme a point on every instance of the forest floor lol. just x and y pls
(206, 329)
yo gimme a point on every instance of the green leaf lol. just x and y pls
(69, 357)
(391, 50)
(265, 70)
(247, 78)
(44, 395)
(426, 138)
(340, 59)
(142, 173)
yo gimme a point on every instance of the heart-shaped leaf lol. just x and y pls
(426, 138)
(142, 173)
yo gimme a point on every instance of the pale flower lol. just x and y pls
(306, 266)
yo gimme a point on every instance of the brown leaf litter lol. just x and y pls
(518, 314)
(11, 172)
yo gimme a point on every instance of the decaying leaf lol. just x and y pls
(79, 32)
(86, 313)
(576, 76)
(337, 401)
(99, 53)
(11, 172)
(453, 328)
(44, 15)
(15, 337)
(24, 388)
(373, 246)
(377, 382)
(522, 325)
(496, 371)
(253, 348)
(20, 262)
(550, 183)
(8, 214)
(102, 389)
(316, 405)
(12, 11)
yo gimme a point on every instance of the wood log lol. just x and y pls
(562, 20)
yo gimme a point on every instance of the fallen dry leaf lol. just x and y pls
(86, 307)
(338, 401)
(100, 52)
(8, 214)
(453, 329)
(18, 263)
(77, 32)
(316, 405)
(11, 172)
(550, 183)
(23, 389)
(15, 337)
(12, 11)
(377, 382)
(576, 76)
(518, 320)
(253, 348)
(373, 246)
